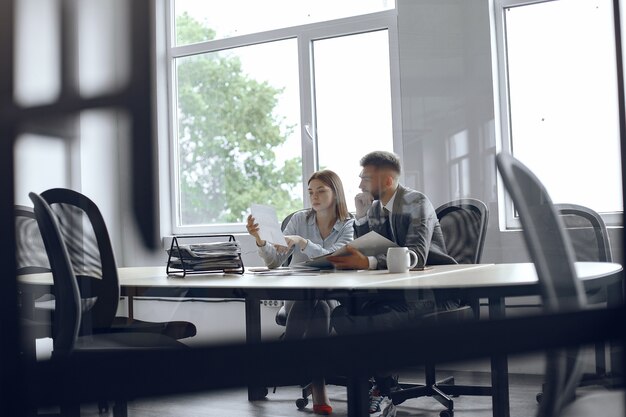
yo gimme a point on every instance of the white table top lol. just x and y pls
(435, 277)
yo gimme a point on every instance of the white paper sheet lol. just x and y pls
(370, 244)
(269, 228)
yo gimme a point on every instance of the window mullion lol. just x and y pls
(308, 130)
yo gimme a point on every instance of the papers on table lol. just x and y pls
(269, 228)
(285, 270)
(206, 256)
(370, 244)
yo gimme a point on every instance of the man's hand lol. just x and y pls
(363, 201)
(352, 260)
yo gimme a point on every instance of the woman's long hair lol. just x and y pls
(332, 180)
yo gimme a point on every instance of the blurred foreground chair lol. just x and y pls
(68, 311)
(464, 226)
(590, 240)
(552, 253)
(91, 254)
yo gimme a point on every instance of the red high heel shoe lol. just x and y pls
(322, 409)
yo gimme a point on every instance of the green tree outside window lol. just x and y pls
(227, 136)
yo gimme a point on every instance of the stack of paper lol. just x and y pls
(206, 256)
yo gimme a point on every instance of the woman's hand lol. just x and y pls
(253, 229)
(297, 240)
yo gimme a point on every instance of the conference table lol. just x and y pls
(494, 282)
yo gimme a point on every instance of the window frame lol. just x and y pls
(507, 215)
(305, 35)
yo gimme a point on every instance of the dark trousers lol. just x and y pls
(308, 318)
(375, 315)
(378, 315)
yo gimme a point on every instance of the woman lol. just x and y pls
(326, 227)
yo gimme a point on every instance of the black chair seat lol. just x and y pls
(107, 341)
(174, 329)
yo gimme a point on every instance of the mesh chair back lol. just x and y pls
(67, 315)
(31, 254)
(464, 227)
(552, 253)
(91, 255)
(587, 232)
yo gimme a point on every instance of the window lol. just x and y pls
(559, 99)
(350, 108)
(258, 104)
(234, 18)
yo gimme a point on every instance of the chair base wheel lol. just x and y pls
(447, 413)
(301, 403)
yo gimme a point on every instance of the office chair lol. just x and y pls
(91, 254)
(552, 253)
(36, 305)
(590, 239)
(31, 258)
(68, 311)
(31, 255)
(464, 227)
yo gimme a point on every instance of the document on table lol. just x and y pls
(285, 270)
(370, 244)
(269, 228)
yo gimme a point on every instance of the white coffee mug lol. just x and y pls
(400, 259)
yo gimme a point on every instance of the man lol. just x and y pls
(408, 218)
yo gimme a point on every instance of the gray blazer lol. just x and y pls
(415, 226)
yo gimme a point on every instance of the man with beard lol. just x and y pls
(406, 217)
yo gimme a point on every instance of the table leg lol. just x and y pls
(358, 401)
(253, 335)
(131, 309)
(615, 298)
(499, 366)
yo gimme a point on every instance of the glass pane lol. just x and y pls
(37, 51)
(32, 152)
(240, 17)
(103, 46)
(353, 103)
(238, 118)
(563, 99)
